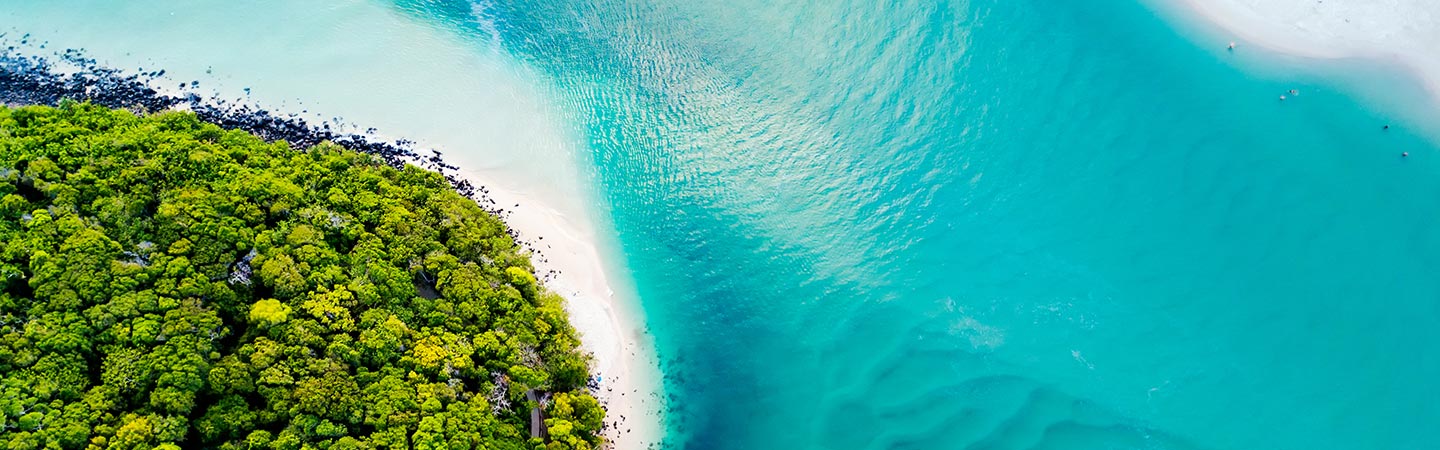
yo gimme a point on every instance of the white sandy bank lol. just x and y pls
(1403, 32)
(611, 330)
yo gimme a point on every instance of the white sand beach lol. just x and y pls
(611, 330)
(1402, 32)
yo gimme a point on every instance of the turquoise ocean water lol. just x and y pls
(988, 224)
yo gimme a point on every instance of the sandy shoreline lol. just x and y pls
(1403, 33)
(611, 330)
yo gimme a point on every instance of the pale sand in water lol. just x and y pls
(1405, 32)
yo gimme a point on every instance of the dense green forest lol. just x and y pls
(165, 283)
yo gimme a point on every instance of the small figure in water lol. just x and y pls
(1232, 46)
(1294, 92)
(1404, 154)
(1386, 127)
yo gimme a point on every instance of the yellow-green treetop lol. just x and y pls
(165, 283)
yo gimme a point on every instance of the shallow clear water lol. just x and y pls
(966, 224)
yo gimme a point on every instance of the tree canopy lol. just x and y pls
(167, 283)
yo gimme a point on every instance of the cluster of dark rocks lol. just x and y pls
(30, 79)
